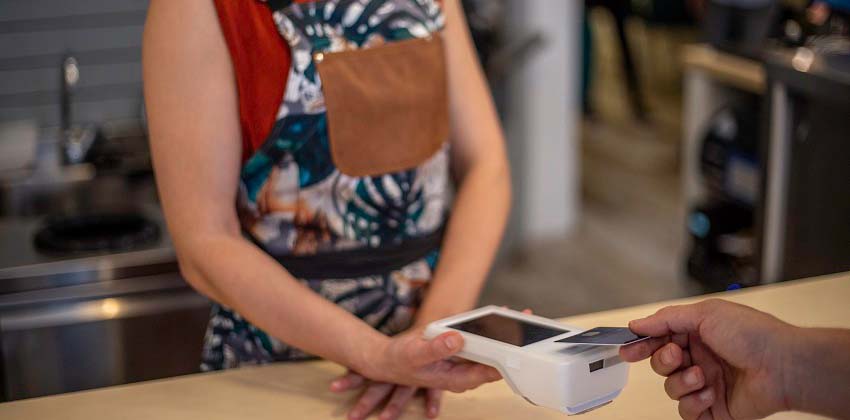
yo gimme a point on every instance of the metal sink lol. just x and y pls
(115, 175)
(116, 180)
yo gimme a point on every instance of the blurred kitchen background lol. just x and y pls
(660, 148)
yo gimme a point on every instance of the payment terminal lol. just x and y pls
(571, 378)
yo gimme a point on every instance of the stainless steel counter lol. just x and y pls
(24, 268)
(77, 321)
(17, 251)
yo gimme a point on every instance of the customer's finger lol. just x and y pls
(347, 382)
(673, 319)
(374, 395)
(643, 349)
(667, 359)
(706, 415)
(685, 382)
(681, 340)
(686, 359)
(433, 398)
(692, 406)
(401, 396)
(420, 352)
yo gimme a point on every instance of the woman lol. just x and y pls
(341, 188)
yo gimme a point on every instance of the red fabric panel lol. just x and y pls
(261, 63)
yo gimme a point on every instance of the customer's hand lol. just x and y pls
(722, 360)
(409, 359)
(396, 397)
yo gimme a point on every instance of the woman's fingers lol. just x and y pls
(667, 359)
(693, 406)
(429, 362)
(374, 395)
(685, 382)
(420, 352)
(433, 398)
(465, 376)
(347, 382)
(401, 396)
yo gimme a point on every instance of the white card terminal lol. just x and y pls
(566, 377)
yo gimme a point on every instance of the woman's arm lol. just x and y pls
(480, 167)
(478, 217)
(195, 141)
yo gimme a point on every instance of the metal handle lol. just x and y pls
(71, 70)
(70, 73)
(99, 310)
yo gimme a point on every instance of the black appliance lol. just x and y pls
(805, 230)
(722, 243)
(740, 27)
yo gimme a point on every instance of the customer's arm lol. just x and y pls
(817, 372)
(480, 167)
(195, 140)
(728, 361)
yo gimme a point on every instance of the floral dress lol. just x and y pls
(294, 201)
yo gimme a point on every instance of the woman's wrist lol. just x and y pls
(369, 356)
(431, 311)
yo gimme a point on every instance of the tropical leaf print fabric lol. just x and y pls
(294, 201)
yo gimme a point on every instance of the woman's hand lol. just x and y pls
(396, 397)
(409, 359)
(400, 366)
(378, 392)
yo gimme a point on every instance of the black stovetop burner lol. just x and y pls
(119, 231)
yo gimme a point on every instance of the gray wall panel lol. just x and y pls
(35, 9)
(47, 79)
(48, 116)
(58, 42)
(105, 36)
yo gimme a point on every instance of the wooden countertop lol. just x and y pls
(299, 391)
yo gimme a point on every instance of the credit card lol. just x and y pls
(604, 336)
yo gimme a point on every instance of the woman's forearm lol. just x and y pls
(480, 165)
(474, 232)
(238, 275)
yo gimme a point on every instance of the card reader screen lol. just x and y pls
(508, 330)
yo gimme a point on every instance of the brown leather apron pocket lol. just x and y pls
(387, 106)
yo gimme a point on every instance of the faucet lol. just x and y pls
(75, 140)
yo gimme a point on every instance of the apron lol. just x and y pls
(351, 189)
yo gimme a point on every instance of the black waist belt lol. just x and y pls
(361, 262)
